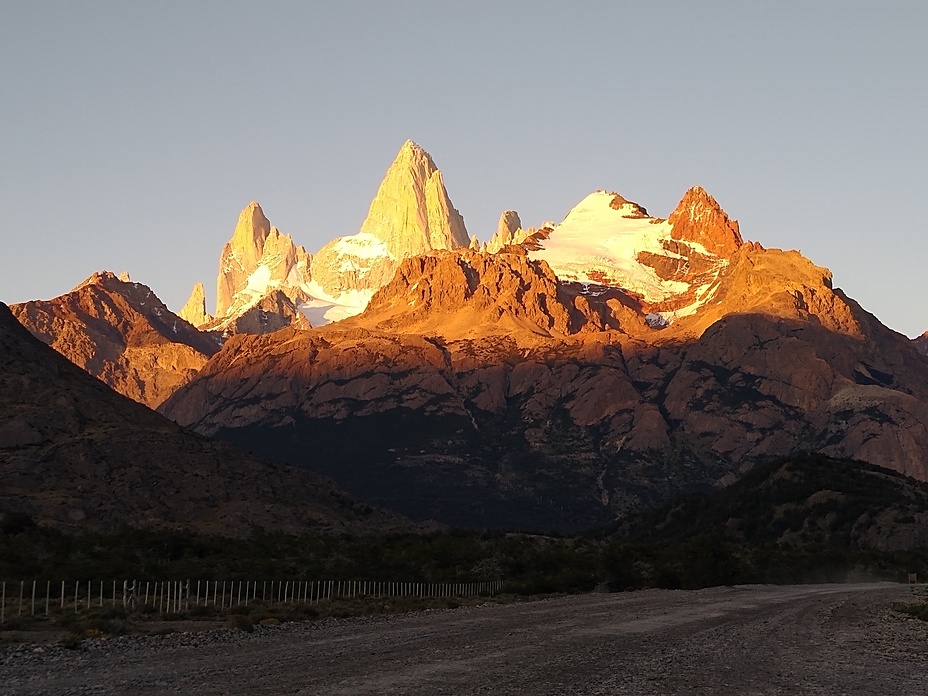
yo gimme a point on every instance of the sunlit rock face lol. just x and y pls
(272, 312)
(194, 310)
(257, 261)
(411, 214)
(508, 231)
(121, 333)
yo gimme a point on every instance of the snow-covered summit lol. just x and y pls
(671, 265)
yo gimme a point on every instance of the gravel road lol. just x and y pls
(812, 639)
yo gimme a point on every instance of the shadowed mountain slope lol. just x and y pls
(76, 455)
(806, 499)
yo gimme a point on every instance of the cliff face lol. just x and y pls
(410, 215)
(194, 311)
(121, 333)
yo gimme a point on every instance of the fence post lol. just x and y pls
(33, 598)
(62, 595)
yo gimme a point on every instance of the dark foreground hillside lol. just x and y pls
(78, 456)
(799, 501)
(800, 520)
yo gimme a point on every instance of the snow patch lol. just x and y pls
(657, 321)
(323, 308)
(599, 244)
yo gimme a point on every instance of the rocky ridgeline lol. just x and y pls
(121, 333)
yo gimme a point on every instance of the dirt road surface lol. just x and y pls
(813, 639)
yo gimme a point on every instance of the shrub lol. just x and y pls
(71, 641)
(241, 622)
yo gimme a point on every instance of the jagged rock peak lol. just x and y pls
(97, 278)
(251, 230)
(255, 261)
(699, 218)
(509, 223)
(121, 333)
(195, 309)
(508, 231)
(412, 212)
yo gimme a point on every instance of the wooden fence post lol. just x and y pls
(62, 595)
(33, 598)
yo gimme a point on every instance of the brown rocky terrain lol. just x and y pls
(121, 333)
(479, 390)
(76, 455)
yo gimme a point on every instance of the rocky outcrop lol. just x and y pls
(76, 455)
(410, 215)
(272, 312)
(257, 261)
(921, 343)
(508, 231)
(194, 311)
(121, 333)
(699, 218)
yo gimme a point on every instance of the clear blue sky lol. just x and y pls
(133, 133)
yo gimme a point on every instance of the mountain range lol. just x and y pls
(552, 378)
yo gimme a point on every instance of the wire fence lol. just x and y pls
(36, 597)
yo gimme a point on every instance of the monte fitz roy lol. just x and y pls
(550, 378)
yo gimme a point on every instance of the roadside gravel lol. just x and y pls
(814, 639)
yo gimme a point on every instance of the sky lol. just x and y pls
(134, 133)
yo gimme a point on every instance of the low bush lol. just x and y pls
(241, 622)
